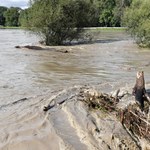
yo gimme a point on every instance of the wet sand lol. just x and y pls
(70, 125)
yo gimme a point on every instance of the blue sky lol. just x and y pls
(14, 3)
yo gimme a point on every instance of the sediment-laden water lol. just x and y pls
(112, 59)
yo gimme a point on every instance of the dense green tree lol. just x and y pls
(12, 16)
(2, 18)
(111, 11)
(60, 20)
(119, 9)
(106, 12)
(24, 17)
(98, 12)
(137, 19)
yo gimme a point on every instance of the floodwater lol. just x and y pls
(112, 58)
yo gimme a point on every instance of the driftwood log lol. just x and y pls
(30, 47)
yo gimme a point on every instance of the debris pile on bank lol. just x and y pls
(136, 122)
(127, 126)
(101, 101)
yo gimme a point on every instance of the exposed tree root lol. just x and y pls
(134, 121)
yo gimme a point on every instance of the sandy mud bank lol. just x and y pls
(70, 123)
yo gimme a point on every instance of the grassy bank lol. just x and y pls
(106, 29)
(4, 27)
(89, 28)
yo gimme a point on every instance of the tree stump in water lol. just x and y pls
(135, 120)
(139, 89)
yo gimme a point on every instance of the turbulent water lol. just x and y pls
(112, 58)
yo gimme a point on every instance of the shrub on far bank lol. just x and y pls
(137, 19)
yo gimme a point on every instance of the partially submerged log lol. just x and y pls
(34, 47)
(139, 89)
(30, 47)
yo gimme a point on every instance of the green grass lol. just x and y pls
(89, 28)
(7, 27)
(106, 29)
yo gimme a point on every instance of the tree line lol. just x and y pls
(9, 16)
(61, 21)
(107, 13)
(58, 21)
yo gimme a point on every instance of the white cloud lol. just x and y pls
(14, 3)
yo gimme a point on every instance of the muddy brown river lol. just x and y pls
(112, 60)
(113, 57)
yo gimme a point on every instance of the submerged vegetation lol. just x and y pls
(62, 21)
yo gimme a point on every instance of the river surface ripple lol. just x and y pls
(113, 58)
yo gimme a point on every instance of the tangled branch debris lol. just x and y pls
(137, 122)
(131, 117)
(100, 101)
